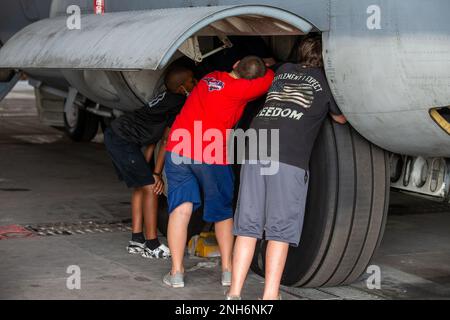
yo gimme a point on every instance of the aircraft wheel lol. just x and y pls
(80, 125)
(346, 211)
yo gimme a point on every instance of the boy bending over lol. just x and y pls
(274, 205)
(124, 142)
(195, 172)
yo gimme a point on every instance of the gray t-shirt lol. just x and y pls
(297, 104)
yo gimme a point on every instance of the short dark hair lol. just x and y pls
(175, 77)
(310, 52)
(251, 67)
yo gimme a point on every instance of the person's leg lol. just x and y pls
(177, 235)
(217, 182)
(137, 174)
(276, 255)
(183, 198)
(136, 210)
(137, 242)
(285, 205)
(244, 248)
(248, 224)
(119, 149)
(225, 239)
(153, 248)
(150, 212)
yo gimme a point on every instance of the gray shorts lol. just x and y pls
(271, 204)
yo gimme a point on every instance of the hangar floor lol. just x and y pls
(47, 181)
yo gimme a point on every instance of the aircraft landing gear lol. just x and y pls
(80, 125)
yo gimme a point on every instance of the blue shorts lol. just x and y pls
(189, 181)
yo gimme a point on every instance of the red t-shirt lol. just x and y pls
(214, 106)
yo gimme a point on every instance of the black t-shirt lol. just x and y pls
(297, 104)
(146, 125)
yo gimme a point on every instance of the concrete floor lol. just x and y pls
(45, 178)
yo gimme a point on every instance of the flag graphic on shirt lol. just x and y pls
(300, 94)
(214, 84)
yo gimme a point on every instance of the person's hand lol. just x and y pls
(158, 186)
(269, 62)
(341, 119)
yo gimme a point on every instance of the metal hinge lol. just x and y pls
(191, 48)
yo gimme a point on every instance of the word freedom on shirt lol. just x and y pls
(280, 112)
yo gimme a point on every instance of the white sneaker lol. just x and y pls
(162, 252)
(135, 247)
(228, 297)
(226, 278)
(174, 281)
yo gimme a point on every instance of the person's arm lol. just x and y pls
(341, 119)
(335, 113)
(159, 185)
(253, 89)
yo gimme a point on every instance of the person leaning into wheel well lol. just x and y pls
(215, 105)
(124, 141)
(273, 206)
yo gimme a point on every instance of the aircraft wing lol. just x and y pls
(131, 40)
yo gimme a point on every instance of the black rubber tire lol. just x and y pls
(345, 214)
(86, 127)
(196, 225)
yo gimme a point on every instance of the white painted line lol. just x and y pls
(350, 293)
(20, 96)
(310, 294)
(18, 115)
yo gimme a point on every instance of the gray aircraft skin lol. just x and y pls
(386, 61)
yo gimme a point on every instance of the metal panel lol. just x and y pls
(314, 11)
(14, 15)
(386, 80)
(131, 40)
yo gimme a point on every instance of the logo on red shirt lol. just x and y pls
(214, 84)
